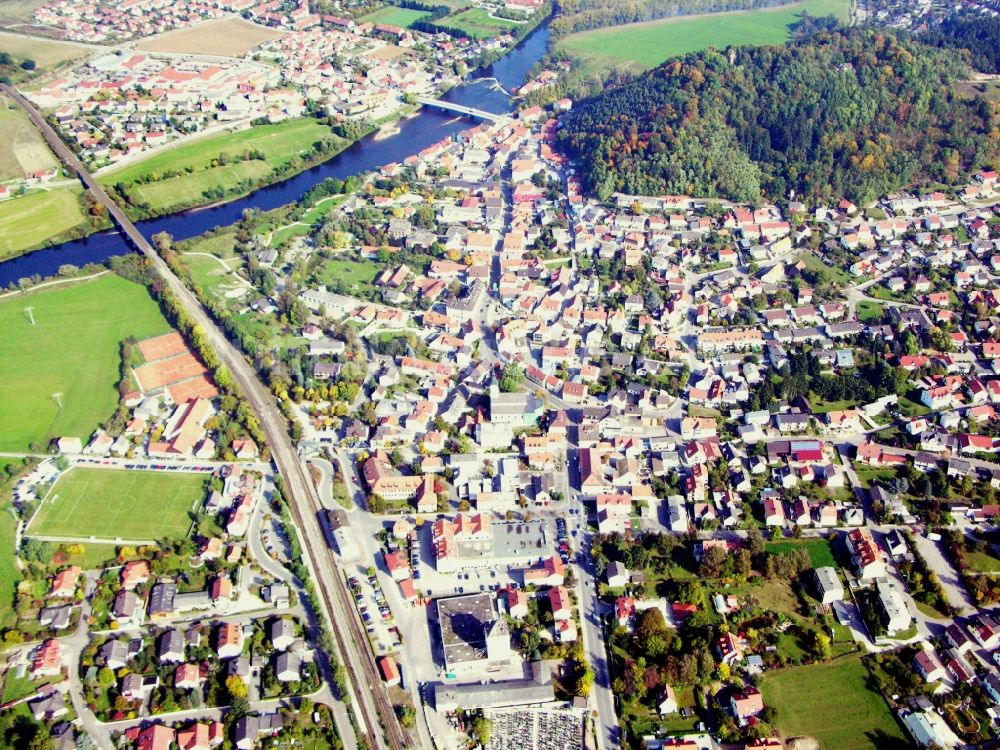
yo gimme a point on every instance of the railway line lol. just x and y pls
(375, 711)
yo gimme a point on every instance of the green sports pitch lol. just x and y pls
(117, 504)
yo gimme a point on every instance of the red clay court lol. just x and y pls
(170, 365)
(161, 347)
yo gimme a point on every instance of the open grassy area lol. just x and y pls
(35, 219)
(232, 37)
(641, 46)
(9, 575)
(46, 53)
(830, 274)
(869, 474)
(982, 562)
(22, 150)
(477, 23)
(18, 10)
(868, 311)
(111, 503)
(832, 703)
(358, 274)
(198, 160)
(394, 16)
(73, 349)
(818, 548)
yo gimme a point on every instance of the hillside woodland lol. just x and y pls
(856, 113)
(976, 32)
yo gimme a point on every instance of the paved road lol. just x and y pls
(376, 713)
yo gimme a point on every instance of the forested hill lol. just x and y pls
(976, 32)
(846, 113)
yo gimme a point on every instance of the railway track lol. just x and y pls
(376, 714)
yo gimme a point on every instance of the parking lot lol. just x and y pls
(374, 610)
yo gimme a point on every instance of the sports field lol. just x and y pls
(113, 503)
(394, 16)
(72, 350)
(639, 46)
(477, 23)
(833, 704)
(279, 143)
(22, 150)
(34, 219)
(46, 53)
(226, 37)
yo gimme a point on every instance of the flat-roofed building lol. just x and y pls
(474, 636)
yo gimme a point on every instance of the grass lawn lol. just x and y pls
(641, 46)
(9, 575)
(394, 16)
(280, 143)
(200, 185)
(110, 503)
(357, 273)
(983, 562)
(832, 703)
(869, 474)
(15, 687)
(72, 349)
(868, 311)
(476, 22)
(819, 550)
(910, 405)
(35, 219)
(832, 274)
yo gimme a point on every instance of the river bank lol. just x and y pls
(422, 129)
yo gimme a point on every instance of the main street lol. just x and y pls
(375, 712)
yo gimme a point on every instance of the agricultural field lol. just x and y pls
(46, 53)
(478, 24)
(38, 218)
(113, 503)
(640, 46)
(197, 158)
(72, 350)
(24, 151)
(833, 704)
(12, 11)
(394, 16)
(227, 37)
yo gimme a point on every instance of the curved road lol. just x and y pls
(376, 712)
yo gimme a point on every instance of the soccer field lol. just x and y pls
(71, 350)
(113, 504)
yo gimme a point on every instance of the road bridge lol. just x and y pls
(459, 109)
(375, 711)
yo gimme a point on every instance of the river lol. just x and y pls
(416, 133)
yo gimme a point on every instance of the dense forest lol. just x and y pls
(581, 15)
(846, 113)
(978, 33)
